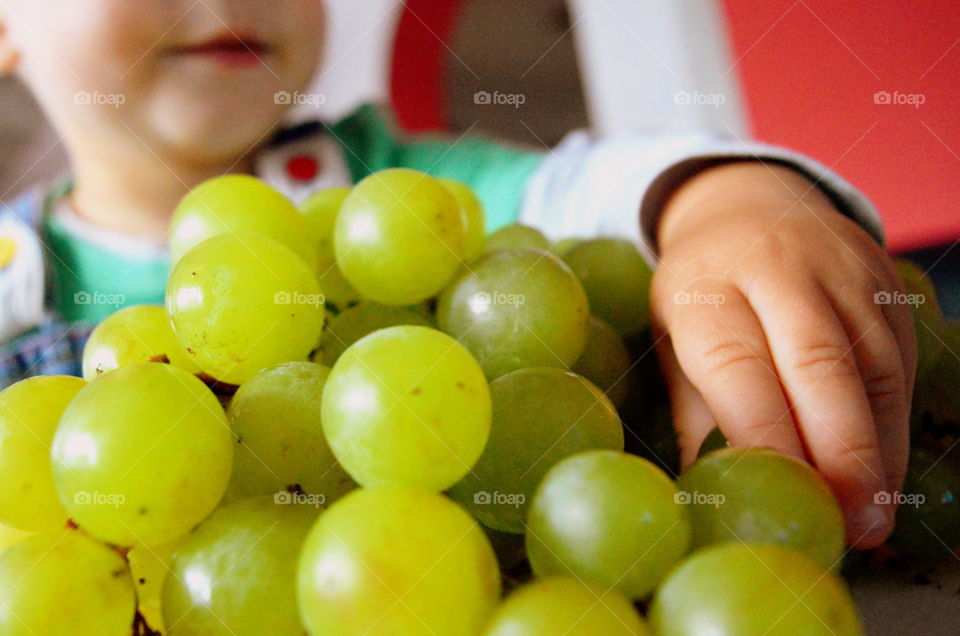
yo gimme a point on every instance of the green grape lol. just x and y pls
(617, 282)
(29, 412)
(361, 320)
(753, 590)
(540, 416)
(515, 236)
(515, 309)
(715, 440)
(400, 237)
(927, 315)
(64, 582)
(936, 392)
(928, 517)
(407, 405)
(606, 362)
(320, 212)
(133, 335)
(10, 536)
(233, 204)
(240, 303)
(609, 518)
(275, 417)
(560, 605)
(396, 560)
(149, 567)
(561, 247)
(142, 454)
(476, 221)
(761, 496)
(236, 573)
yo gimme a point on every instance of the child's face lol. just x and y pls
(172, 75)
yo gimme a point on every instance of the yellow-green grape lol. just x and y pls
(606, 362)
(476, 220)
(515, 309)
(515, 236)
(540, 416)
(361, 320)
(400, 237)
(407, 405)
(240, 303)
(396, 560)
(149, 567)
(927, 315)
(558, 605)
(235, 575)
(234, 204)
(561, 247)
(275, 417)
(753, 590)
(134, 335)
(29, 412)
(142, 454)
(10, 536)
(64, 582)
(617, 281)
(609, 518)
(320, 212)
(761, 496)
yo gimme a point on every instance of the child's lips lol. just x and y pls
(230, 50)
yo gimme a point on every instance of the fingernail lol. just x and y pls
(871, 525)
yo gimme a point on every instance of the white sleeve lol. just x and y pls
(618, 186)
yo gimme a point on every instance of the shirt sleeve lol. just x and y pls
(619, 186)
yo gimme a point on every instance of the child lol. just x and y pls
(153, 98)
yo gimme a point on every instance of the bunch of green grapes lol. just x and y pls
(280, 446)
(396, 560)
(407, 405)
(236, 573)
(517, 308)
(64, 582)
(320, 212)
(237, 204)
(400, 236)
(142, 454)
(608, 518)
(558, 605)
(617, 282)
(133, 335)
(243, 302)
(29, 413)
(762, 496)
(753, 590)
(540, 416)
(606, 362)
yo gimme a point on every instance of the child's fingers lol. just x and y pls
(816, 363)
(721, 348)
(692, 418)
(885, 379)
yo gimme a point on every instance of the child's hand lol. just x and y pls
(767, 294)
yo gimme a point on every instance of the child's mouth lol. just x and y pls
(226, 50)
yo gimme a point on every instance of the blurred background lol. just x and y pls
(869, 89)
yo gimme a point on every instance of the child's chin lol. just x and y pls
(214, 137)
